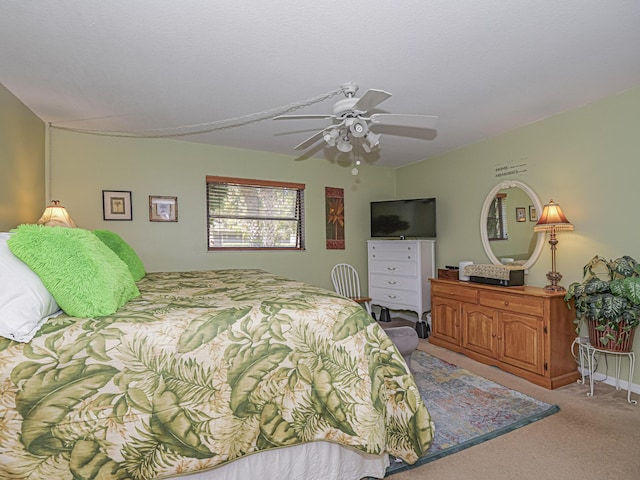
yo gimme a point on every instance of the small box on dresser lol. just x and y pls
(448, 273)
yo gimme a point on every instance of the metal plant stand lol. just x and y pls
(588, 352)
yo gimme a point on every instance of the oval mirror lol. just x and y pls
(508, 216)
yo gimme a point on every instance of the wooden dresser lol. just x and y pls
(527, 331)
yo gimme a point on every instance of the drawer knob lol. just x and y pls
(506, 303)
(391, 269)
(392, 297)
(392, 282)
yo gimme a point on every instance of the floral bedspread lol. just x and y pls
(201, 369)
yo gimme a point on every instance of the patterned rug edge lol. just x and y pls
(477, 440)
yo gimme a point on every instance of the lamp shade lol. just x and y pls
(344, 145)
(552, 218)
(55, 215)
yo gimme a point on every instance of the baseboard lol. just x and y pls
(609, 380)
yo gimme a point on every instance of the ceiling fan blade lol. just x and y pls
(404, 120)
(309, 141)
(302, 117)
(371, 99)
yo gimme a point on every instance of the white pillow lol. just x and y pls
(25, 303)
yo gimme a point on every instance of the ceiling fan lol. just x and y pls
(351, 121)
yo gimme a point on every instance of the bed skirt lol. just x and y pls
(311, 461)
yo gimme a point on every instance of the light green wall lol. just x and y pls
(84, 165)
(587, 160)
(22, 139)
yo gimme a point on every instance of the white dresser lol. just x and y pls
(399, 272)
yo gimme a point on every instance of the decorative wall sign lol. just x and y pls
(512, 168)
(163, 209)
(533, 215)
(334, 205)
(520, 214)
(116, 205)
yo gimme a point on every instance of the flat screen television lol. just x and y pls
(404, 218)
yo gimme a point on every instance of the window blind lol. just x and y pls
(254, 214)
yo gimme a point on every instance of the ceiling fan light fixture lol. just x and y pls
(372, 141)
(331, 136)
(344, 145)
(358, 128)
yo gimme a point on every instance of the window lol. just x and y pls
(245, 214)
(497, 218)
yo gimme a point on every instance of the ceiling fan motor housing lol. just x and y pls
(345, 106)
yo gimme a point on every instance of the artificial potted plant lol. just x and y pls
(608, 299)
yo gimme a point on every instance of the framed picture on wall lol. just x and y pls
(521, 215)
(163, 209)
(533, 214)
(116, 205)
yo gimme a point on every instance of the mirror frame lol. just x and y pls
(484, 235)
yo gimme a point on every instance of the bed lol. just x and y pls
(209, 375)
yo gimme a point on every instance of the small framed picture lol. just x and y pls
(116, 205)
(163, 209)
(521, 215)
(533, 214)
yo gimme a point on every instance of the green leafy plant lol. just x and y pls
(609, 295)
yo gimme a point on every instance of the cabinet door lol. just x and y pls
(521, 341)
(445, 320)
(479, 329)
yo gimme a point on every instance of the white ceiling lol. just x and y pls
(483, 66)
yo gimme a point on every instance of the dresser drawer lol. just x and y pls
(458, 292)
(393, 298)
(393, 251)
(391, 282)
(513, 303)
(393, 268)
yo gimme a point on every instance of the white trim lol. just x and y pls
(47, 164)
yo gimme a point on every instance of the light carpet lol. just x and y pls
(467, 409)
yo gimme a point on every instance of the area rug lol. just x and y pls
(467, 409)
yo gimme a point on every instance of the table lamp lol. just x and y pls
(551, 220)
(55, 215)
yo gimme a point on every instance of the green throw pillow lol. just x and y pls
(86, 278)
(127, 254)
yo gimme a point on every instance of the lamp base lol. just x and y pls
(554, 277)
(555, 288)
